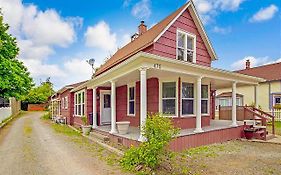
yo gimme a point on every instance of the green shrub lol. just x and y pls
(46, 116)
(84, 120)
(278, 106)
(158, 131)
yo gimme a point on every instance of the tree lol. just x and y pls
(41, 93)
(15, 80)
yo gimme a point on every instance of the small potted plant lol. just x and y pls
(85, 127)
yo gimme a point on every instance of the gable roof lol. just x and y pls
(71, 86)
(269, 72)
(152, 35)
(228, 94)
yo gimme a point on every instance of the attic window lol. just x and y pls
(186, 46)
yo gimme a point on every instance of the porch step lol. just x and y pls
(270, 136)
(98, 135)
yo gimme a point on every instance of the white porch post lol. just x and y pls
(198, 106)
(143, 101)
(234, 121)
(95, 108)
(113, 108)
(256, 96)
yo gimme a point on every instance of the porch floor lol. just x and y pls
(134, 132)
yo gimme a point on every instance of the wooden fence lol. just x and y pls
(225, 113)
(12, 109)
(276, 113)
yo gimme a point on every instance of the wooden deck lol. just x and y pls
(218, 131)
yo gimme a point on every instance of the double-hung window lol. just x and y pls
(186, 46)
(277, 100)
(131, 100)
(169, 98)
(204, 99)
(187, 98)
(79, 103)
(65, 102)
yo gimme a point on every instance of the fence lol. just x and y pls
(12, 109)
(277, 114)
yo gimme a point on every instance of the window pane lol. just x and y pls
(180, 54)
(204, 91)
(169, 106)
(190, 43)
(169, 90)
(131, 107)
(106, 100)
(277, 100)
(83, 109)
(79, 98)
(204, 106)
(79, 109)
(181, 38)
(187, 90)
(83, 97)
(189, 56)
(132, 93)
(187, 106)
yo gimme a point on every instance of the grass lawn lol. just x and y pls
(277, 128)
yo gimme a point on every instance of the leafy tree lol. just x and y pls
(41, 93)
(15, 79)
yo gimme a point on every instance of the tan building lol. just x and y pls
(268, 92)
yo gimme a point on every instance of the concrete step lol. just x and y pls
(270, 136)
(98, 135)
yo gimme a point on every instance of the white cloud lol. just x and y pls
(264, 14)
(222, 30)
(240, 64)
(208, 9)
(142, 9)
(100, 36)
(29, 50)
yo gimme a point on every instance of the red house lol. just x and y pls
(165, 69)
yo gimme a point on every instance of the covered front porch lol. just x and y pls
(177, 89)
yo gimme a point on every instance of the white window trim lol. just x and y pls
(161, 81)
(274, 97)
(62, 103)
(187, 115)
(128, 99)
(77, 104)
(208, 102)
(185, 49)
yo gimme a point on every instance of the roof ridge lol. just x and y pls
(264, 65)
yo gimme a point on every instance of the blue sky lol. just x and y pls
(57, 37)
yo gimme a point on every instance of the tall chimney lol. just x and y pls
(248, 64)
(142, 28)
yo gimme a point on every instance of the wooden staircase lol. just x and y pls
(261, 120)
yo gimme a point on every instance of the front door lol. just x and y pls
(105, 108)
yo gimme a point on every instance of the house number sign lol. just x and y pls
(157, 66)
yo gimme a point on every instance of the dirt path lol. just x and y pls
(29, 146)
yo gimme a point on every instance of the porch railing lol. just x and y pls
(261, 115)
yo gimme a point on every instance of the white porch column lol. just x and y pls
(234, 121)
(143, 101)
(113, 108)
(256, 96)
(198, 106)
(95, 108)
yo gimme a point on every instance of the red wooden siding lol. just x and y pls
(205, 138)
(65, 112)
(166, 45)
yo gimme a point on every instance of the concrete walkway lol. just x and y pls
(30, 146)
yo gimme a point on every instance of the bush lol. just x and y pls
(158, 132)
(278, 106)
(46, 116)
(84, 120)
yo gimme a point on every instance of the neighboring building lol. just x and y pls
(62, 103)
(268, 92)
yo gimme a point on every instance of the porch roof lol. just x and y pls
(158, 65)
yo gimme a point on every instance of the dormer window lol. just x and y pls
(186, 46)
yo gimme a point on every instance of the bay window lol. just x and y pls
(186, 46)
(79, 103)
(131, 100)
(204, 99)
(169, 98)
(187, 98)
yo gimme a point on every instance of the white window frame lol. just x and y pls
(128, 99)
(62, 103)
(274, 99)
(187, 34)
(77, 103)
(208, 100)
(161, 99)
(181, 103)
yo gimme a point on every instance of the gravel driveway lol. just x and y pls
(29, 146)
